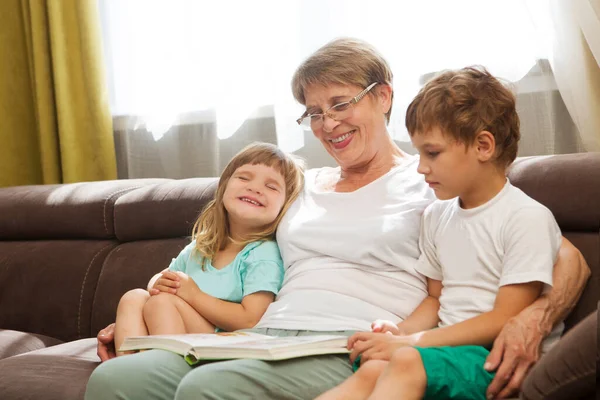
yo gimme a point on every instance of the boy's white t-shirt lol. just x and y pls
(511, 239)
(350, 258)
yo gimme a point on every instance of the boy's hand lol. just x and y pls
(376, 346)
(384, 326)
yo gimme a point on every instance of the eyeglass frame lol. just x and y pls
(351, 102)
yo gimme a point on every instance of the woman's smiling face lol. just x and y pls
(356, 140)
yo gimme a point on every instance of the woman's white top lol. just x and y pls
(350, 258)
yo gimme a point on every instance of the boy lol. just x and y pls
(487, 249)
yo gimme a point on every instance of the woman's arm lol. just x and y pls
(517, 347)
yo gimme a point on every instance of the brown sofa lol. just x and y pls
(68, 252)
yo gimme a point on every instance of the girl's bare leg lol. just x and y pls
(403, 378)
(168, 314)
(360, 385)
(130, 320)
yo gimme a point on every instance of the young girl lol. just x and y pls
(231, 271)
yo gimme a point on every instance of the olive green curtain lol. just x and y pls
(55, 121)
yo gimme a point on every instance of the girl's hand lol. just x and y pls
(376, 346)
(186, 288)
(167, 283)
(384, 326)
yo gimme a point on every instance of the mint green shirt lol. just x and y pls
(258, 267)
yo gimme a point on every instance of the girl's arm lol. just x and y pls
(232, 316)
(224, 314)
(483, 329)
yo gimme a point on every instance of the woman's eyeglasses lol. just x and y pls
(337, 112)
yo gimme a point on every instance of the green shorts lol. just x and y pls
(455, 372)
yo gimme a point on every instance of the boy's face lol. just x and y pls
(449, 167)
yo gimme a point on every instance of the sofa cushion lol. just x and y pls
(55, 373)
(568, 371)
(47, 286)
(162, 211)
(129, 266)
(13, 343)
(77, 211)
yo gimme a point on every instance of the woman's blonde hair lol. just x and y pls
(344, 61)
(211, 230)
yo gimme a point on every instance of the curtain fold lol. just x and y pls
(576, 64)
(55, 120)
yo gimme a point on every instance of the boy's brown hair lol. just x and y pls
(463, 103)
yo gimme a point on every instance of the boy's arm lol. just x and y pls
(483, 329)
(425, 315)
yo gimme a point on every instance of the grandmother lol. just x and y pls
(349, 245)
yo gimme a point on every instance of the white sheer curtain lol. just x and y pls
(226, 63)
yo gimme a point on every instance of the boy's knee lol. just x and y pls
(406, 358)
(371, 370)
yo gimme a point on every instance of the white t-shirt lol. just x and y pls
(350, 258)
(510, 239)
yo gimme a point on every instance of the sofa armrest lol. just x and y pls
(13, 343)
(568, 371)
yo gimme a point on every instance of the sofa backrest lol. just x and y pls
(569, 185)
(153, 224)
(68, 252)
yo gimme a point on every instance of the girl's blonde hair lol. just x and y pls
(211, 230)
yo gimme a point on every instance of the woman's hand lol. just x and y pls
(515, 351)
(376, 346)
(106, 343)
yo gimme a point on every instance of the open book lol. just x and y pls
(226, 345)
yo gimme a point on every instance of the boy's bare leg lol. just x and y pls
(403, 378)
(130, 319)
(360, 385)
(168, 314)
